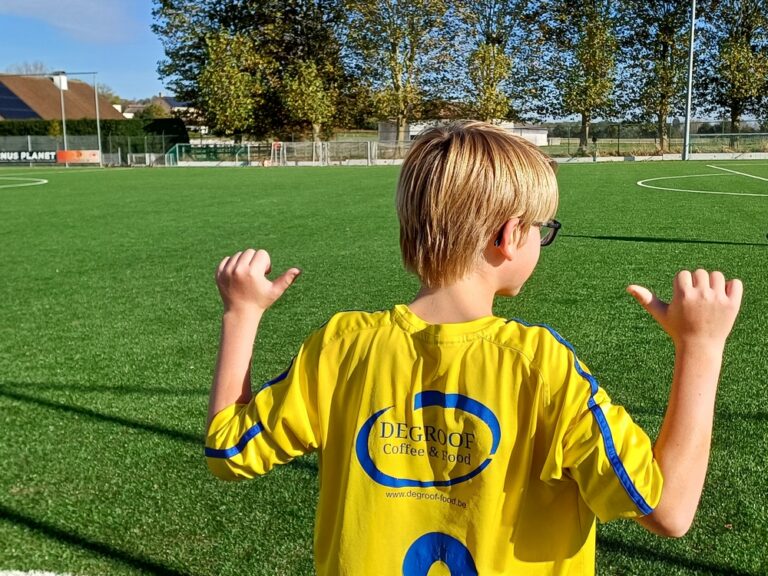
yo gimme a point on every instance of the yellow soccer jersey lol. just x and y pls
(483, 447)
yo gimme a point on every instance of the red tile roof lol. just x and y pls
(44, 98)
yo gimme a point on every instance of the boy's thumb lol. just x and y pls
(283, 282)
(649, 301)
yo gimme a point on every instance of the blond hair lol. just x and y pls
(459, 184)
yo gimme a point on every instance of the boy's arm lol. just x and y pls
(246, 293)
(699, 318)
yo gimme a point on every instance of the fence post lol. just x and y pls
(618, 140)
(146, 152)
(29, 147)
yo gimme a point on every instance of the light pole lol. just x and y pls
(98, 123)
(687, 135)
(61, 80)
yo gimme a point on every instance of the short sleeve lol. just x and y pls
(611, 459)
(597, 444)
(277, 425)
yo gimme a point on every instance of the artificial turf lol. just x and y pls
(109, 325)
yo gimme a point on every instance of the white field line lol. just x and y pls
(46, 171)
(25, 182)
(644, 185)
(752, 163)
(32, 573)
(735, 172)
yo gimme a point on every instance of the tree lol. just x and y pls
(229, 83)
(35, 68)
(278, 33)
(654, 44)
(400, 46)
(307, 99)
(734, 61)
(151, 111)
(107, 92)
(505, 46)
(489, 67)
(583, 64)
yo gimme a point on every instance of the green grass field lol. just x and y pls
(109, 322)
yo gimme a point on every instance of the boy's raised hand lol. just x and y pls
(243, 283)
(703, 307)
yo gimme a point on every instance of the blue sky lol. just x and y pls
(110, 37)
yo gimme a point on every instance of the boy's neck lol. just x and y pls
(466, 300)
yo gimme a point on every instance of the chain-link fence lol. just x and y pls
(363, 153)
(152, 149)
(116, 150)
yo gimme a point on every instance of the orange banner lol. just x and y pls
(77, 156)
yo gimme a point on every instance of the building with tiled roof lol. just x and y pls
(39, 98)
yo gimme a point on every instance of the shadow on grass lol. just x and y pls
(664, 240)
(62, 407)
(67, 537)
(196, 440)
(634, 550)
(146, 390)
(721, 414)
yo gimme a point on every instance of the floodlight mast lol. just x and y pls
(62, 80)
(98, 122)
(687, 135)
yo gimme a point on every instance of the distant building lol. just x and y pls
(532, 133)
(169, 105)
(39, 98)
(173, 106)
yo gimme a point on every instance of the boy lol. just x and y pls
(447, 435)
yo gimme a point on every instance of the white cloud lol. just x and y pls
(97, 21)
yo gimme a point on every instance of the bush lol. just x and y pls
(172, 130)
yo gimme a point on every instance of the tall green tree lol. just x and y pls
(233, 83)
(733, 62)
(654, 46)
(489, 68)
(583, 63)
(307, 98)
(505, 47)
(401, 48)
(280, 33)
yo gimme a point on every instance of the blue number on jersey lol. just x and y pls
(434, 547)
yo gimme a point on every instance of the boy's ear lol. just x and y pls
(508, 239)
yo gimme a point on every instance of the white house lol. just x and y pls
(535, 134)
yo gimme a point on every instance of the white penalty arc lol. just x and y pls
(32, 573)
(20, 183)
(644, 184)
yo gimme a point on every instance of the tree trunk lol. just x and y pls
(316, 146)
(735, 126)
(403, 136)
(735, 121)
(402, 129)
(661, 131)
(584, 135)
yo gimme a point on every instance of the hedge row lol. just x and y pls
(172, 129)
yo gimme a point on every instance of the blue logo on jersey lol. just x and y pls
(426, 400)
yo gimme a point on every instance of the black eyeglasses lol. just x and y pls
(548, 231)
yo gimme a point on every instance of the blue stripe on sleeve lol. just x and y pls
(602, 424)
(279, 378)
(249, 435)
(253, 431)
